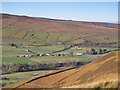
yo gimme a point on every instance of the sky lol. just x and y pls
(80, 11)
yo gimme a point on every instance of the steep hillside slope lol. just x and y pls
(101, 73)
(35, 29)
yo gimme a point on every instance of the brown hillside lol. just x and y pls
(101, 73)
(60, 26)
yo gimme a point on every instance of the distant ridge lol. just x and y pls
(5, 14)
(51, 25)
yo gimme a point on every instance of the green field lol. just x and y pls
(9, 54)
(24, 36)
(20, 35)
(17, 77)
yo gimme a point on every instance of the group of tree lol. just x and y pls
(95, 52)
(11, 68)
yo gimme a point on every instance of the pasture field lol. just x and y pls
(20, 76)
(9, 54)
(27, 36)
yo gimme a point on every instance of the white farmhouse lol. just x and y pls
(78, 54)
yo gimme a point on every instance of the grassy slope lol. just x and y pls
(46, 30)
(102, 73)
(12, 34)
(28, 30)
